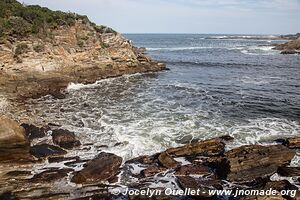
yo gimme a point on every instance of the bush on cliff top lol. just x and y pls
(20, 20)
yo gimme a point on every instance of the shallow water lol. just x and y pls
(215, 87)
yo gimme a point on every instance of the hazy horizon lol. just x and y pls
(263, 17)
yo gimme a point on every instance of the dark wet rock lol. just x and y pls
(14, 145)
(65, 139)
(33, 132)
(289, 171)
(51, 175)
(192, 169)
(246, 163)
(205, 148)
(53, 124)
(8, 196)
(62, 159)
(45, 150)
(152, 170)
(167, 161)
(289, 51)
(101, 168)
(226, 138)
(18, 173)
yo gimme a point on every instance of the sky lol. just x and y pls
(187, 16)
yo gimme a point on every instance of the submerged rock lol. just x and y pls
(14, 145)
(246, 163)
(65, 139)
(101, 168)
(45, 150)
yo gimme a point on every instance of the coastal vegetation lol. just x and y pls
(19, 20)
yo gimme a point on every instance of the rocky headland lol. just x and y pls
(291, 47)
(42, 51)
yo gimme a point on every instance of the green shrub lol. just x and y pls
(39, 48)
(20, 49)
(80, 43)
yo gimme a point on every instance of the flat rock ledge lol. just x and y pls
(203, 165)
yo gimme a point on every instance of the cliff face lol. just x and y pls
(39, 64)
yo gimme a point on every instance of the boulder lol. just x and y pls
(101, 168)
(65, 139)
(45, 150)
(14, 145)
(167, 161)
(247, 163)
(33, 132)
(210, 147)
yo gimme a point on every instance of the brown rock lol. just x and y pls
(192, 169)
(167, 161)
(293, 142)
(187, 182)
(289, 171)
(45, 150)
(205, 148)
(280, 185)
(65, 139)
(152, 170)
(50, 175)
(101, 168)
(147, 160)
(14, 145)
(246, 163)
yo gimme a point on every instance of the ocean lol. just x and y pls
(217, 85)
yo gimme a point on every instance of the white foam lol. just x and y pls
(260, 50)
(178, 48)
(4, 105)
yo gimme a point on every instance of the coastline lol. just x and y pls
(198, 168)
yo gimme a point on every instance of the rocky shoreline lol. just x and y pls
(291, 47)
(37, 162)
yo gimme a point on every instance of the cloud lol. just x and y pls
(187, 16)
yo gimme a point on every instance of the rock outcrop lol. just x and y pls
(292, 47)
(34, 64)
(65, 139)
(101, 168)
(247, 163)
(14, 145)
